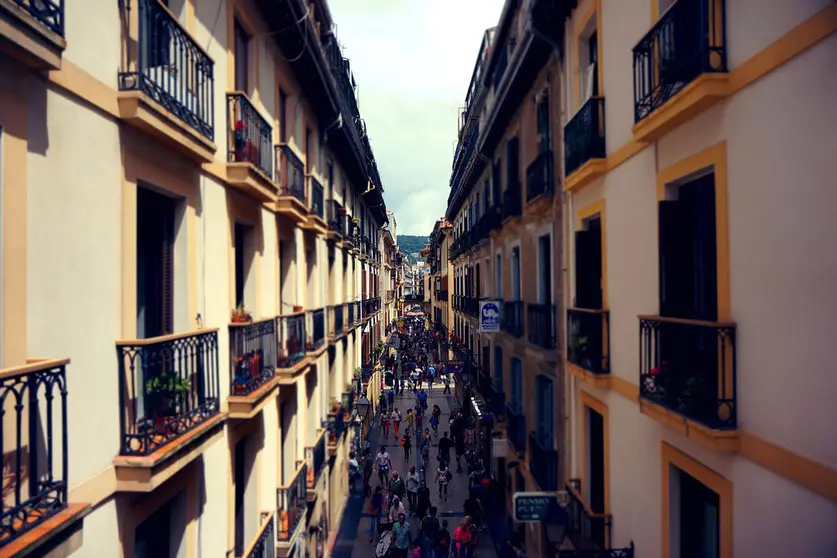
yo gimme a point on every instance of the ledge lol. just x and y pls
(288, 375)
(315, 224)
(248, 406)
(291, 207)
(723, 441)
(140, 111)
(601, 381)
(702, 93)
(586, 173)
(252, 181)
(48, 532)
(25, 38)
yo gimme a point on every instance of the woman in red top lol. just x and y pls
(462, 539)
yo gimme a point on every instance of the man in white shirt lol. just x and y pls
(412, 488)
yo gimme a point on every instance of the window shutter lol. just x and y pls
(594, 264)
(543, 122)
(167, 274)
(674, 276)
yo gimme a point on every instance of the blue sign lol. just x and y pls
(489, 316)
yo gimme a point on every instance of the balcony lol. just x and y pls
(588, 531)
(352, 314)
(168, 395)
(315, 459)
(249, 149)
(166, 82)
(315, 327)
(687, 377)
(253, 351)
(542, 325)
(290, 176)
(540, 177)
(516, 429)
(35, 451)
(34, 32)
(336, 427)
(357, 316)
(493, 218)
(680, 67)
(335, 218)
(316, 207)
(585, 152)
(292, 357)
(291, 505)
(336, 321)
(512, 201)
(264, 545)
(512, 319)
(545, 461)
(588, 345)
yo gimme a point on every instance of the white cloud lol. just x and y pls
(413, 60)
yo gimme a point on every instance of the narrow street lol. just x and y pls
(353, 539)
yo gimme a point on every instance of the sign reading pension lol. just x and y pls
(533, 506)
(454, 366)
(489, 316)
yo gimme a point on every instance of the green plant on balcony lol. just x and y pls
(165, 393)
(580, 347)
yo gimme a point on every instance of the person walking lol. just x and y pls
(434, 424)
(401, 537)
(446, 382)
(413, 483)
(385, 423)
(397, 486)
(462, 537)
(429, 534)
(396, 420)
(443, 476)
(410, 419)
(445, 444)
(396, 509)
(376, 505)
(406, 443)
(382, 462)
(443, 545)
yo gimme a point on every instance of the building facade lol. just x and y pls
(648, 134)
(232, 263)
(439, 284)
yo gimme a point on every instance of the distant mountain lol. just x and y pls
(411, 245)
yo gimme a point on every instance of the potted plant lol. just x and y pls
(240, 315)
(297, 309)
(310, 346)
(240, 140)
(165, 394)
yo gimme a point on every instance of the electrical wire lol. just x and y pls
(304, 36)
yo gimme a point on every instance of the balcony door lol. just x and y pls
(242, 62)
(699, 510)
(544, 411)
(246, 521)
(545, 270)
(596, 471)
(588, 265)
(155, 263)
(163, 533)
(516, 294)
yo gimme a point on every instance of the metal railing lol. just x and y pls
(687, 41)
(166, 64)
(512, 200)
(264, 546)
(584, 135)
(335, 217)
(291, 504)
(541, 321)
(290, 173)
(588, 339)
(35, 446)
(516, 428)
(252, 355)
(315, 327)
(545, 461)
(688, 366)
(315, 459)
(586, 529)
(512, 317)
(167, 387)
(250, 137)
(351, 312)
(291, 331)
(540, 176)
(49, 13)
(316, 203)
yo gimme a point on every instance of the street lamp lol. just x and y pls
(556, 521)
(362, 406)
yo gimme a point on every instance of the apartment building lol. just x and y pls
(439, 283)
(194, 179)
(389, 239)
(685, 258)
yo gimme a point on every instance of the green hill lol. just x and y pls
(411, 245)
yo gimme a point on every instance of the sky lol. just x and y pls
(413, 60)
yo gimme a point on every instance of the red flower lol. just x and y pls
(240, 126)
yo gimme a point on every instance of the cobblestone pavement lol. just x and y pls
(353, 537)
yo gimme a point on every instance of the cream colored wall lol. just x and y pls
(777, 270)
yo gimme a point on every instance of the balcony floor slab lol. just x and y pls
(22, 35)
(722, 441)
(247, 406)
(585, 174)
(252, 181)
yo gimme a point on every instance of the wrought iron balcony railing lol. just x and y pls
(336, 323)
(688, 366)
(545, 459)
(264, 546)
(315, 327)
(35, 447)
(588, 339)
(516, 428)
(357, 306)
(290, 173)
(291, 504)
(687, 41)
(335, 217)
(512, 201)
(167, 387)
(542, 325)
(512, 319)
(315, 459)
(316, 203)
(291, 330)
(587, 530)
(540, 176)
(253, 350)
(167, 64)
(250, 137)
(584, 135)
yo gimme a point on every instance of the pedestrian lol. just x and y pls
(443, 476)
(446, 381)
(423, 500)
(473, 508)
(413, 483)
(385, 423)
(406, 443)
(368, 469)
(391, 398)
(376, 504)
(421, 397)
(429, 532)
(445, 444)
(401, 537)
(396, 509)
(443, 545)
(397, 486)
(434, 424)
(396, 420)
(462, 539)
(382, 462)
(410, 419)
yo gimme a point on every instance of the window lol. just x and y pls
(592, 83)
(544, 410)
(516, 273)
(588, 265)
(245, 250)
(545, 269)
(543, 122)
(486, 193)
(516, 377)
(512, 163)
(496, 183)
(309, 158)
(700, 517)
(498, 276)
(1, 243)
(283, 116)
(299, 119)
(242, 61)
(498, 368)
(163, 533)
